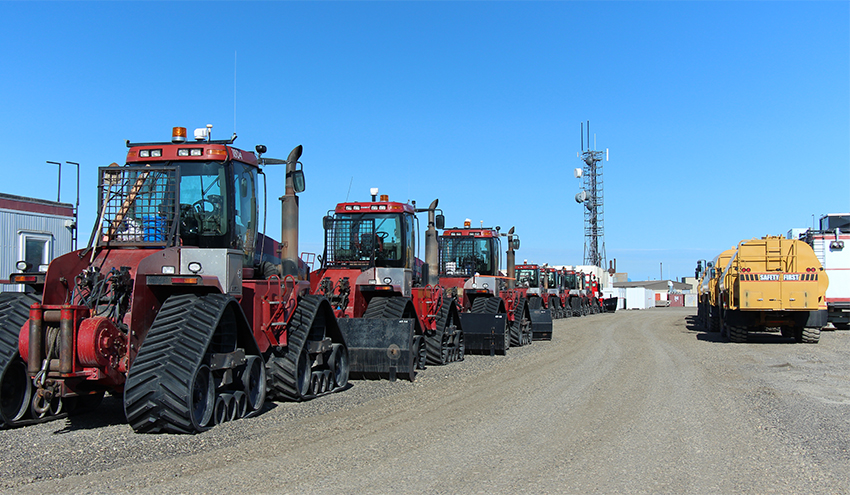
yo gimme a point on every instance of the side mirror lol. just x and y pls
(298, 181)
(516, 243)
(327, 222)
(440, 222)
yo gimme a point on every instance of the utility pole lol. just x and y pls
(59, 182)
(76, 206)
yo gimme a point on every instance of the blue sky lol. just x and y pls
(724, 120)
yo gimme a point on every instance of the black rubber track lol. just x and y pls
(555, 308)
(479, 304)
(377, 306)
(282, 369)
(14, 312)
(521, 324)
(157, 393)
(442, 346)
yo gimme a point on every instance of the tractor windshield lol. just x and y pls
(528, 277)
(203, 204)
(368, 239)
(466, 255)
(571, 281)
(553, 280)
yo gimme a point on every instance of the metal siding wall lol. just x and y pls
(12, 222)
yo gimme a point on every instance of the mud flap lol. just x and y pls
(379, 347)
(541, 324)
(484, 333)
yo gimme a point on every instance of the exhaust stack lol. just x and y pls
(432, 254)
(511, 260)
(289, 220)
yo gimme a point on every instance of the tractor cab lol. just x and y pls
(370, 235)
(571, 280)
(201, 194)
(528, 276)
(554, 279)
(370, 248)
(466, 252)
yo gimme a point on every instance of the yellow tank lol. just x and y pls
(772, 284)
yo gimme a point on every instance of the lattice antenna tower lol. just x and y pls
(592, 197)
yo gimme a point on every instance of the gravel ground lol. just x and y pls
(633, 402)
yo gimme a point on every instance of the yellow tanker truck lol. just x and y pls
(773, 283)
(708, 311)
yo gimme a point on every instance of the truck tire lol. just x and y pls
(807, 335)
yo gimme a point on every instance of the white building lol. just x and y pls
(32, 230)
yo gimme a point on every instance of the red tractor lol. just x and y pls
(393, 320)
(585, 295)
(495, 315)
(178, 304)
(531, 285)
(594, 292)
(578, 302)
(556, 294)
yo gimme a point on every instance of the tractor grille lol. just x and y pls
(139, 205)
(350, 243)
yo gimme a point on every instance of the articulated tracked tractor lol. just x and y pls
(531, 286)
(178, 304)
(495, 315)
(393, 321)
(554, 281)
(773, 284)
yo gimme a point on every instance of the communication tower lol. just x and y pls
(592, 197)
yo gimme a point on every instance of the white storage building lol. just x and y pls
(32, 230)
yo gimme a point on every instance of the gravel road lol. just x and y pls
(631, 402)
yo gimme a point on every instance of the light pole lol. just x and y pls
(77, 205)
(59, 182)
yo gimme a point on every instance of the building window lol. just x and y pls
(35, 248)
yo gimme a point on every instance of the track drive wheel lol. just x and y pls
(339, 365)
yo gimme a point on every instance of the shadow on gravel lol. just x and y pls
(753, 338)
(110, 412)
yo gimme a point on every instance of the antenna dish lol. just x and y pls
(577, 172)
(581, 197)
